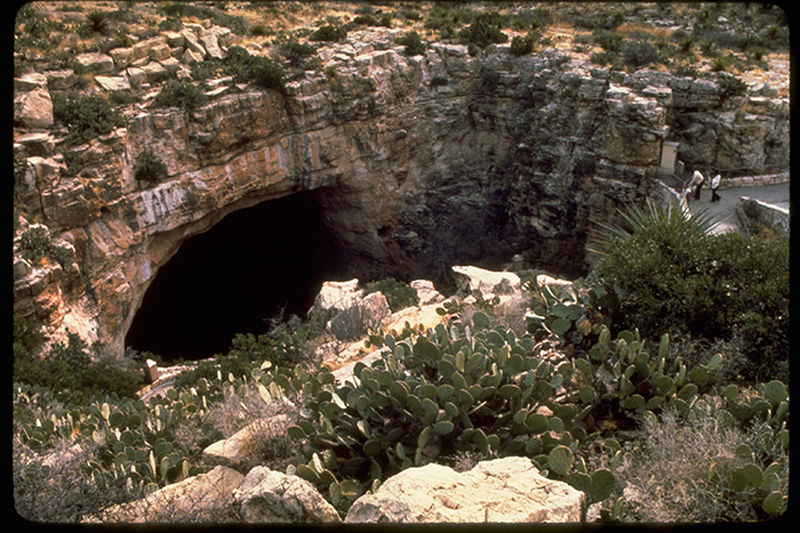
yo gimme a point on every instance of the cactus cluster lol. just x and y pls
(474, 388)
(133, 439)
(454, 389)
(465, 386)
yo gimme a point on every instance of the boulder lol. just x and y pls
(34, 109)
(190, 56)
(61, 79)
(191, 42)
(242, 446)
(155, 72)
(470, 278)
(338, 295)
(268, 496)
(500, 490)
(365, 314)
(35, 144)
(30, 81)
(205, 497)
(122, 56)
(426, 292)
(96, 63)
(208, 39)
(136, 76)
(113, 83)
(159, 51)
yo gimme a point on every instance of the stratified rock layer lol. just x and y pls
(510, 153)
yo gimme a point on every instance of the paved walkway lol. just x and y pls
(777, 194)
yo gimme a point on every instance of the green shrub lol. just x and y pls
(609, 41)
(720, 63)
(413, 44)
(329, 33)
(398, 295)
(87, 116)
(122, 97)
(259, 30)
(262, 71)
(185, 95)
(731, 86)
(521, 46)
(365, 20)
(670, 274)
(96, 22)
(34, 243)
(687, 470)
(149, 167)
(385, 20)
(447, 21)
(638, 54)
(70, 373)
(28, 338)
(296, 52)
(203, 70)
(483, 31)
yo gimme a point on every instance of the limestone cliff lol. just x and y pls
(419, 162)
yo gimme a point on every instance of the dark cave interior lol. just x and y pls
(252, 265)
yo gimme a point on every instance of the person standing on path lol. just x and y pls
(714, 185)
(696, 183)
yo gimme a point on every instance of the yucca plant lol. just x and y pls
(660, 264)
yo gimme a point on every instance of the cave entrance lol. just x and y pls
(249, 267)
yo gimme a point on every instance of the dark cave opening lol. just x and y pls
(251, 266)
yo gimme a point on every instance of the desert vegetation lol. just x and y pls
(585, 392)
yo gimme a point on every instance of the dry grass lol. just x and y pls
(270, 446)
(670, 477)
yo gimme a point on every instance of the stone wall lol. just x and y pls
(501, 154)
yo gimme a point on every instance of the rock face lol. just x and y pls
(267, 496)
(502, 490)
(511, 153)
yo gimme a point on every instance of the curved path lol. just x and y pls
(777, 194)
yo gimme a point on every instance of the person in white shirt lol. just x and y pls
(714, 185)
(696, 183)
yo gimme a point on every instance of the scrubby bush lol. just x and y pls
(96, 22)
(398, 295)
(185, 95)
(87, 117)
(413, 44)
(296, 52)
(28, 338)
(34, 243)
(71, 374)
(687, 470)
(262, 71)
(638, 54)
(731, 86)
(671, 274)
(259, 30)
(484, 31)
(521, 46)
(328, 33)
(609, 41)
(149, 167)
(447, 21)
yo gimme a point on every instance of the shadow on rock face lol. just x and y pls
(247, 268)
